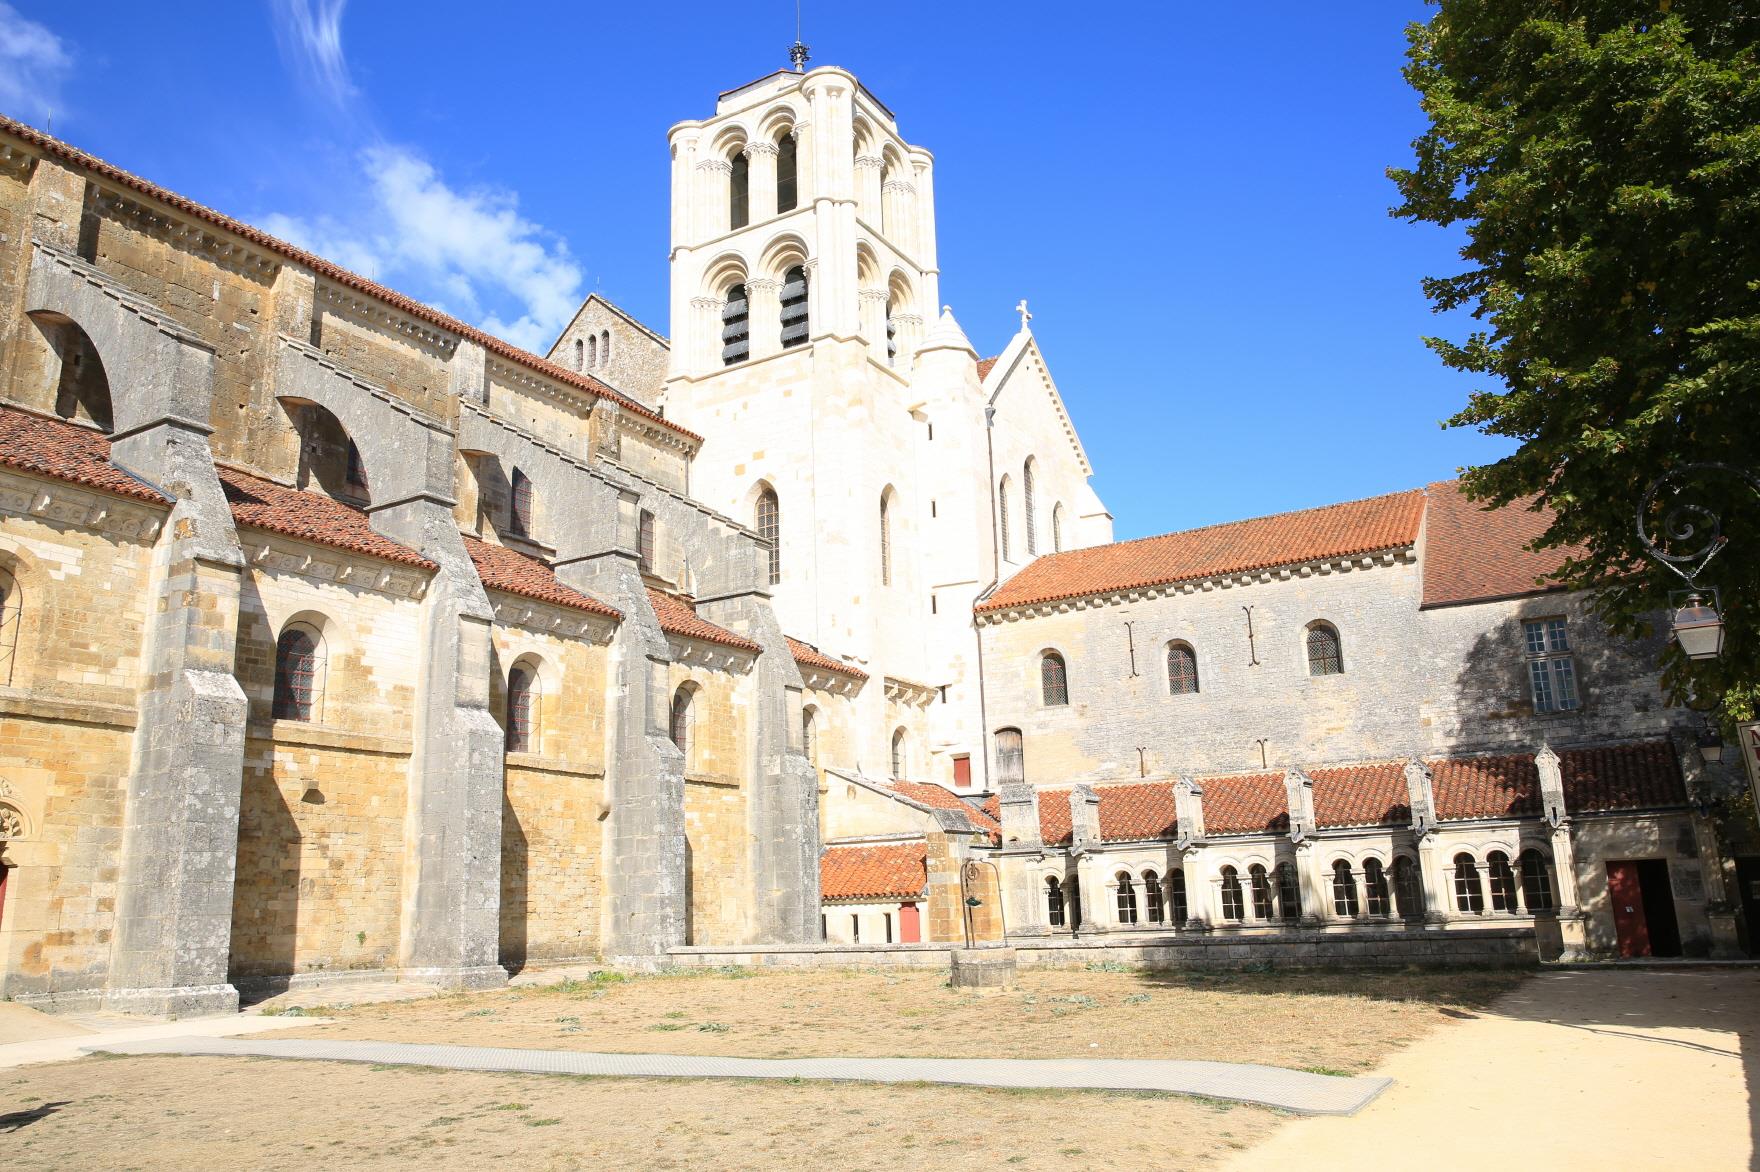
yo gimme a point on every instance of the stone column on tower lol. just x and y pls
(898, 214)
(764, 299)
(762, 180)
(923, 242)
(714, 177)
(805, 191)
(867, 179)
(873, 314)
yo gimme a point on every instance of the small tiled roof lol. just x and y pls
(1246, 803)
(309, 516)
(985, 365)
(1345, 530)
(811, 656)
(1472, 554)
(513, 572)
(678, 616)
(1486, 787)
(1361, 795)
(939, 797)
(1643, 776)
(1128, 813)
(890, 871)
(65, 451)
(331, 271)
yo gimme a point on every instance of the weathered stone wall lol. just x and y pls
(636, 363)
(719, 875)
(1600, 839)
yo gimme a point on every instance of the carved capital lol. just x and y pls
(763, 285)
(757, 149)
(714, 303)
(721, 165)
(872, 162)
(878, 295)
(900, 187)
(907, 320)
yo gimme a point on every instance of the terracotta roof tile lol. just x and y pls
(811, 656)
(1128, 813)
(891, 871)
(1345, 530)
(309, 516)
(1248, 803)
(65, 451)
(1642, 776)
(513, 572)
(1472, 554)
(986, 365)
(1361, 795)
(331, 271)
(1486, 787)
(1054, 820)
(941, 798)
(678, 616)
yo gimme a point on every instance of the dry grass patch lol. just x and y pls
(1331, 1021)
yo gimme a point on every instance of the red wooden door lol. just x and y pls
(1628, 909)
(910, 929)
(962, 772)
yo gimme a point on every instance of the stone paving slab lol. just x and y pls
(113, 1029)
(1270, 1086)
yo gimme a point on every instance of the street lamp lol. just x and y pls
(1690, 536)
(1698, 628)
(1710, 743)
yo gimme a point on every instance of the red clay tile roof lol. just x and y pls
(1360, 795)
(513, 572)
(939, 797)
(678, 616)
(1345, 530)
(1474, 555)
(985, 365)
(1486, 787)
(65, 451)
(1249, 803)
(892, 871)
(1643, 776)
(811, 656)
(331, 271)
(309, 516)
(1127, 813)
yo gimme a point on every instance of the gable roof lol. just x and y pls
(1373, 794)
(66, 451)
(1345, 530)
(986, 365)
(513, 572)
(615, 308)
(1474, 554)
(333, 272)
(309, 516)
(810, 656)
(939, 797)
(678, 616)
(888, 871)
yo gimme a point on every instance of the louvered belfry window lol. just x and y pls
(736, 339)
(1053, 680)
(1325, 656)
(770, 529)
(794, 307)
(1182, 670)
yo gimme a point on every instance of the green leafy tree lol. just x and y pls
(1603, 159)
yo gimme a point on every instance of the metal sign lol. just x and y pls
(1748, 734)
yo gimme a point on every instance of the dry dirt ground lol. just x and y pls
(191, 1113)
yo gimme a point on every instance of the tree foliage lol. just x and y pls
(1603, 158)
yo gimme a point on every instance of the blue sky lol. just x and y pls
(1191, 197)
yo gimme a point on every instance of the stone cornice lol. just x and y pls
(157, 220)
(819, 679)
(331, 566)
(911, 692)
(543, 618)
(1317, 568)
(15, 160)
(360, 307)
(691, 652)
(44, 499)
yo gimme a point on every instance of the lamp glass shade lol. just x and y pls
(1710, 748)
(1699, 630)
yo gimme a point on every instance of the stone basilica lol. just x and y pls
(341, 639)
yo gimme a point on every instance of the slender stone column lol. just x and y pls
(764, 305)
(867, 189)
(898, 200)
(761, 180)
(713, 195)
(1201, 910)
(1316, 901)
(873, 316)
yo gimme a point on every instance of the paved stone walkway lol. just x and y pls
(80, 1034)
(1290, 1090)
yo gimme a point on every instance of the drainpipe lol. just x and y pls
(995, 577)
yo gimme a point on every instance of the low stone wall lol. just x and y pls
(1476, 947)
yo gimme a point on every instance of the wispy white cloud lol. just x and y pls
(469, 253)
(310, 35)
(33, 64)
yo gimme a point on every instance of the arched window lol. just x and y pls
(580, 354)
(885, 539)
(1468, 895)
(1057, 527)
(1376, 895)
(1233, 906)
(891, 335)
(1002, 517)
(593, 350)
(1053, 680)
(1261, 884)
(1536, 883)
(1182, 669)
(899, 761)
(83, 393)
(1152, 907)
(679, 726)
(810, 734)
(1176, 889)
(523, 707)
(1325, 656)
(1010, 756)
(1127, 899)
(739, 202)
(1053, 901)
(1344, 891)
(1406, 888)
(299, 674)
(1072, 894)
(736, 327)
(521, 520)
(787, 156)
(645, 541)
(795, 323)
(1028, 516)
(1503, 883)
(770, 529)
(604, 347)
(328, 458)
(11, 619)
(1289, 892)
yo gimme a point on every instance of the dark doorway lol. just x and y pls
(1665, 932)
(1748, 889)
(1643, 908)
